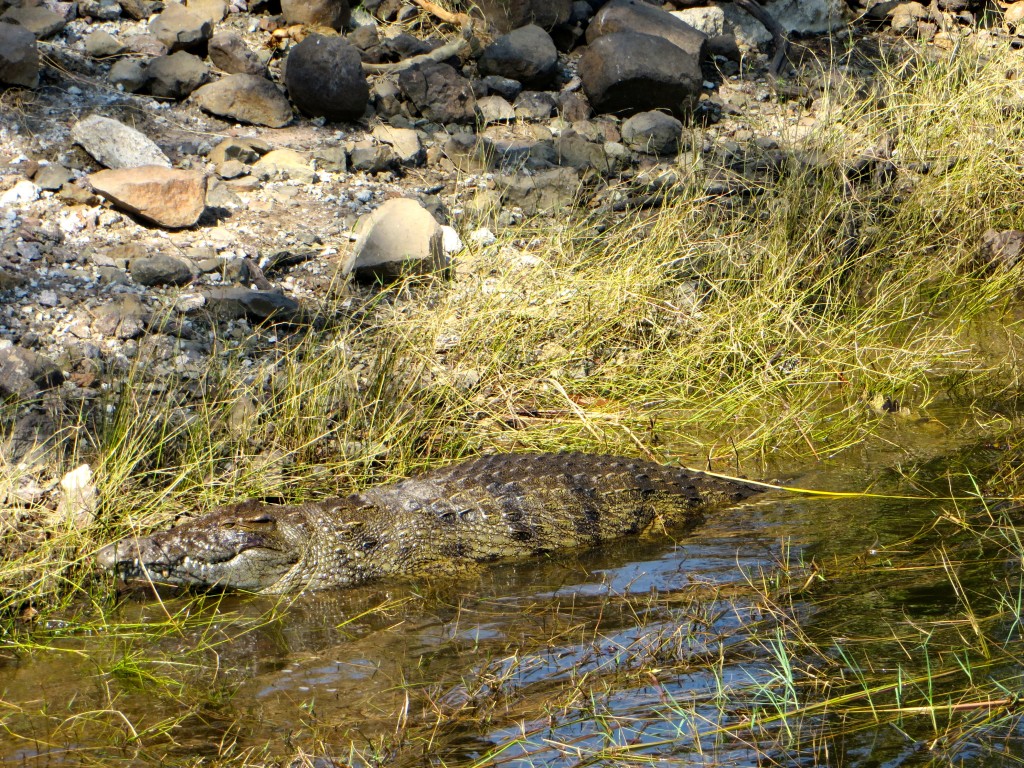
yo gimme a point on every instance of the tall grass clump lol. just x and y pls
(712, 329)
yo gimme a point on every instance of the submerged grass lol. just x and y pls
(789, 320)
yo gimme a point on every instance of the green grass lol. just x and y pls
(710, 331)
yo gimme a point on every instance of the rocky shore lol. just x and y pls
(174, 178)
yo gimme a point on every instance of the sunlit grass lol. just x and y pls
(791, 324)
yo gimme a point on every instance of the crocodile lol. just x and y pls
(497, 507)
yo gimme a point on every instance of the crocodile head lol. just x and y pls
(249, 546)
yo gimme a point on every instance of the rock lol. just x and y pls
(526, 54)
(42, 23)
(405, 141)
(404, 46)
(256, 306)
(247, 151)
(725, 46)
(24, 373)
(141, 9)
(1001, 250)
(535, 105)
(637, 17)
(332, 159)
(79, 498)
(540, 193)
(160, 269)
(629, 72)
(144, 45)
(494, 109)
(398, 238)
(52, 176)
(33, 436)
(507, 15)
(576, 152)
(229, 53)
(19, 57)
(102, 10)
(325, 78)
(177, 75)
(368, 157)
(653, 132)
(904, 17)
(708, 20)
(505, 87)
(181, 29)
(1013, 15)
(246, 98)
(23, 191)
(323, 13)
(573, 107)
(100, 44)
(125, 318)
(129, 74)
(164, 196)
(284, 164)
(809, 17)
(213, 11)
(116, 145)
(439, 92)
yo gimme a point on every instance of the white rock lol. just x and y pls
(22, 192)
(450, 240)
(805, 16)
(483, 236)
(710, 19)
(116, 145)
(78, 502)
(398, 237)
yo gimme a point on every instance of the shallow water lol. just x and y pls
(648, 651)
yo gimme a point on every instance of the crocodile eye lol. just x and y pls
(261, 520)
(369, 544)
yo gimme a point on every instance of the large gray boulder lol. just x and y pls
(19, 57)
(507, 15)
(626, 72)
(639, 17)
(527, 54)
(325, 78)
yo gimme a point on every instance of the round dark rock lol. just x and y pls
(177, 75)
(653, 132)
(325, 78)
(627, 72)
(160, 270)
(526, 54)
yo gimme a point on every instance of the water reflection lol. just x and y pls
(669, 652)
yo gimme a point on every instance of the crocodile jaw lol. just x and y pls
(213, 551)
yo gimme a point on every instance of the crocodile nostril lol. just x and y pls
(107, 557)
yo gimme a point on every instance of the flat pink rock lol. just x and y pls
(167, 197)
